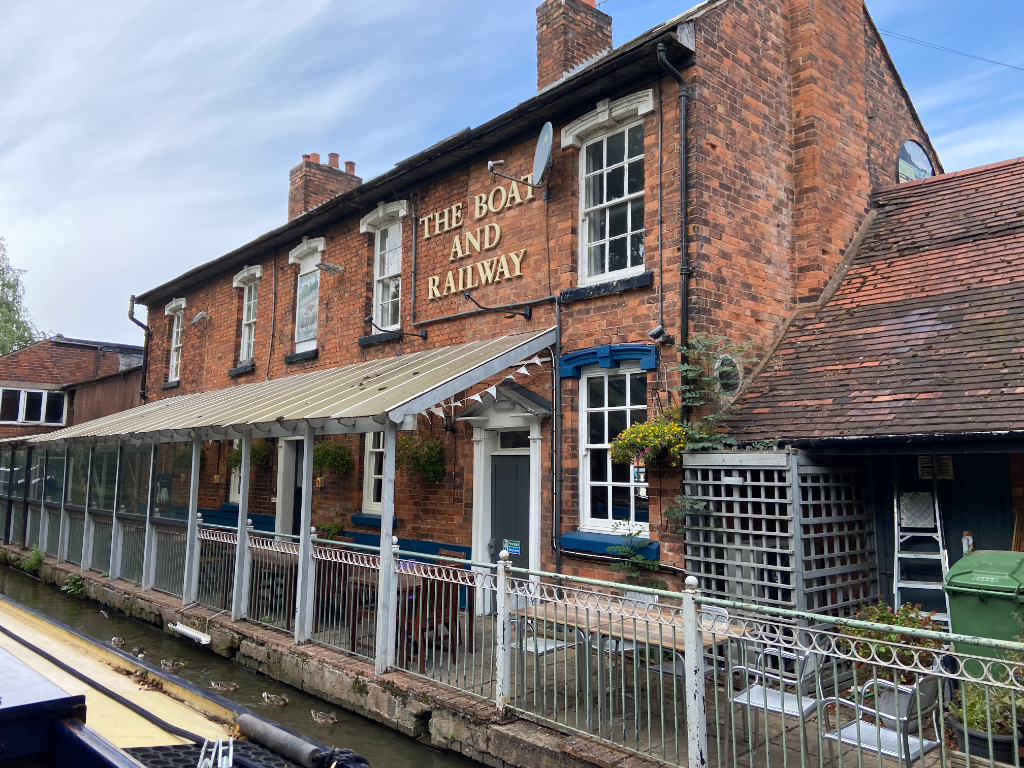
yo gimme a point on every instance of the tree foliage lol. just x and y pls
(16, 327)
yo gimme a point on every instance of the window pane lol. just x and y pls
(54, 407)
(378, 440)
(54, 476)
(383, 235)
(307, 306)
(104, 478)
(171, 480)
(617, 254)
(512, 440)
(77, 474)
(636, 214)
(618, 219)
(595, 389)
(614, 183)
(636, 140)
(595, 193)
(620, 503)
(33, 406)
(595, 226)
(10, 402)
(616, 148)
(636, 176)
(596, 259)
(599, 502)
(616, 423)
(636, 249)
(621, 472)
(378, 491)
(5, 472)
(594, 159)
(598, 465)
(638, 389)
(616, 391)
(638, 416)
(134, 479)
(596, 429)
(18, 475)
(35, 486)
(641, 506)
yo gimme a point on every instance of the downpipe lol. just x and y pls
(147, 334)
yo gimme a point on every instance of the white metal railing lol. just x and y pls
(684, 678)
(345, 596)
(272, 580)
(216, 566)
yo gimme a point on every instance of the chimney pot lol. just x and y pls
(350, 167)
(305, 158)
(332, 159)
(314, 156)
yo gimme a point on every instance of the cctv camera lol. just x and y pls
(658, 334)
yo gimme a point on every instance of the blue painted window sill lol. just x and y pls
(364, 518)
(598, 543)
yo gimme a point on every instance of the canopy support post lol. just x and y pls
(240, 595)
(86, 557)
(386, 602)
(305, 583)
(114, 569)
(190, 588)
(149, 548)
(62, 537)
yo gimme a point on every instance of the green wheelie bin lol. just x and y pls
(986, 598)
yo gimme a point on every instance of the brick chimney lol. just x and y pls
(312, 183)
(569, 33)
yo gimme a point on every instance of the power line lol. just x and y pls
(899, 36)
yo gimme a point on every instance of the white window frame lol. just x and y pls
(637, 475)
(390, 233)
(23, 402)
(248, 281)
(176, 311)
(370, 449)
(587, 213)
(307, 255)
(386, 216)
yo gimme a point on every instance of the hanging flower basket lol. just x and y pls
(650, 443)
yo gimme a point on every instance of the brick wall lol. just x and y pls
(51, 364)
(781, 165)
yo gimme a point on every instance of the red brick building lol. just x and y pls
(707, 176)
(34, 396)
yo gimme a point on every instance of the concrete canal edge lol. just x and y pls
(447, 718)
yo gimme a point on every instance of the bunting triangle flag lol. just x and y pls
(523, 371)
(493, 392)
(437, 411)
(477, 398)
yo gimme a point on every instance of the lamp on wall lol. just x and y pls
(326, 266)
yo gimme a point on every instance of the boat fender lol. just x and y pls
(341, 758)
(288, 745)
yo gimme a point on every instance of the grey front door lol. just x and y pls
(510, 507)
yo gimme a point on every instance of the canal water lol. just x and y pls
(383, 747)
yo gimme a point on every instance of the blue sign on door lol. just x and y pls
(511, 546)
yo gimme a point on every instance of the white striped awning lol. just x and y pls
(353, 398)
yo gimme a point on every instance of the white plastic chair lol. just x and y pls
(775, 671)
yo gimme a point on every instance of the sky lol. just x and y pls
(140, 139)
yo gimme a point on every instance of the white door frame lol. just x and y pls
(485, 445)
(284, 511)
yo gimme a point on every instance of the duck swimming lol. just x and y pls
(223, 686)
(117, 642)
(322, 718)
(171, 665)
(275, 700)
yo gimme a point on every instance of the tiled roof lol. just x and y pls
(925, 333)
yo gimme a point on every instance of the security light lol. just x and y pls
(326, 266)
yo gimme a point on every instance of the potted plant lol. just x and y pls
(884, 652)
(995, 715)
(332, 456)
(423, 455)
(329, 530)
(650, 442)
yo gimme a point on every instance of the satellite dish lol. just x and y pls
(542, 155)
